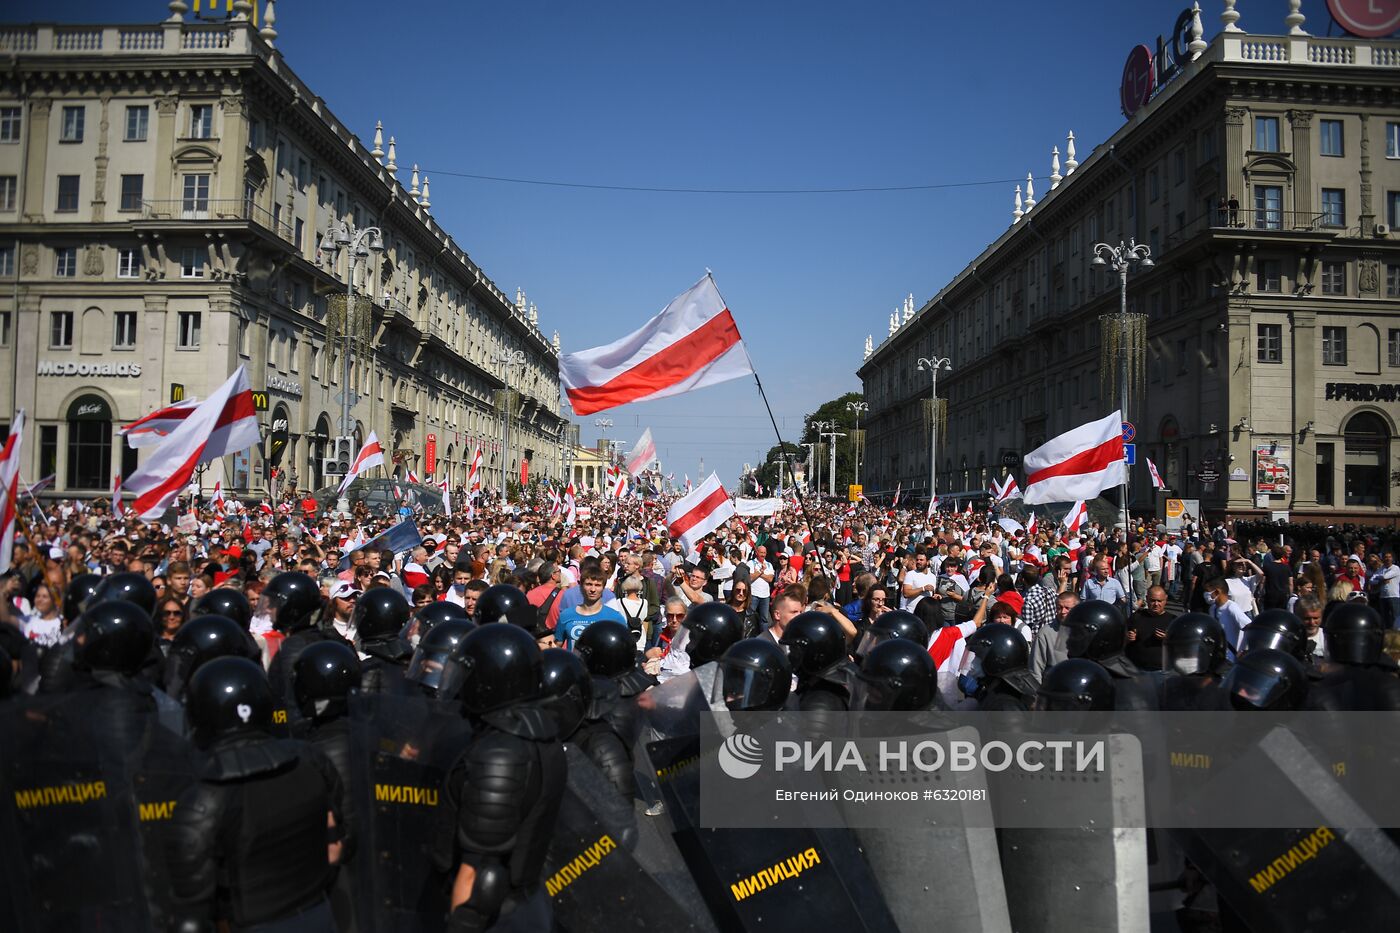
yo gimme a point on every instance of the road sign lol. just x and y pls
(853, 494)
(354, 398)
(1129, 432)
(1130, 454)
(1368, 19)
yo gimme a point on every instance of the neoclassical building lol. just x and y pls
(1264, 175)
(166, 192)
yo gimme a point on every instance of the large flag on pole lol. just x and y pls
(692, 517)
(371, 455)
(1079, 464)
(446, 498)
(117, 495)
(223, 424)
(691, 344)
(474, 474)
(1076, 517)
(1156, 477)
(1006, 491)
(151, 429)
(642, 454)
(9, 490)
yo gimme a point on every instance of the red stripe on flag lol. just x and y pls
(1093, 460)
(172, 484)
(698, 514)
(666, 367)
(238, 407)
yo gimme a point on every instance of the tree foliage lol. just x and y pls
(845, 419)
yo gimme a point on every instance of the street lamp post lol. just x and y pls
(605, 446)
(828, 429)
(359, 243)
(856, 407)
(507, 359)
(1120, 259)
(816, 468)
(933, 364)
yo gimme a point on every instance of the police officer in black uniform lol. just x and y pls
(896, 623)
(1279, 628)
(322, 680)
(816, 649)
(503, 603)
(57, 668)
(111, 642)
(1194, 664)
(506, 787)
(1358, 676)
(582, 717)
(200, 640)
(710, 629)
(1096, 631)
(292, 601)
(226, 602)
(609, 651)
(897, 674)
(755, 676)
(255, 842)
(1266, 680)
(380, 615)
(435, 667)
(1076, 685)
(995, 670)
(429, 616)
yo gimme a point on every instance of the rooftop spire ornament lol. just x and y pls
(1229, 17)
(1197, 45)
(378, 150)
(894, 323)
(393, 164)
(269, 28)
(1055, 175)
(909, 308)
(1071, 163)
(1030, 192)
(424, 199)
(413, 183)
(869, 345)
(1017, 214)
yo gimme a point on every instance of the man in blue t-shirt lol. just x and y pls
(574, 619)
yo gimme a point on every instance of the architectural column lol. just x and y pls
(35, 160)
(1302, 121)
(1305, 356)
(1232, 171)
(99, 185)
(164, 179)
(234, 139)
(154, 337)
(1238, 361)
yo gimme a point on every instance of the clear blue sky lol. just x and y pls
(725, 95)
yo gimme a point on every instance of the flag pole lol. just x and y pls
(782, 445)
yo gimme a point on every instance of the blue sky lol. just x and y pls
(752, 95)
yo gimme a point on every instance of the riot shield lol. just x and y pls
(771, 880)
(668, 711)
(1091, 878)
(591, 873)
(165, 766)
(1310, 878)
(72, 837)
(404, 746)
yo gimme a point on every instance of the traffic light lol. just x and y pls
(340, 454)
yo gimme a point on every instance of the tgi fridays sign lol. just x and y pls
(1145, 73)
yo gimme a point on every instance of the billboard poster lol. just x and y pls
(1181, 511)
(1273, 469)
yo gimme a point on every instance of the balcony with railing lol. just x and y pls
(213, 210)
(169, 38)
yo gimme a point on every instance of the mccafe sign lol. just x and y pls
(1144, 72)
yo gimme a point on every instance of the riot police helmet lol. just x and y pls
(897, 674)
(78, 595)
(607, 648)
(1276, 628)
(897, 623)
(290, 600)
(501, 667)
(380, 613)
(1095, 630)
(997, 649)
(754, 675)
(127, 587)
(114, 636)
(1075, 685)
(712, 627)
(1267, 679)
(228, 696)
(505, 603)
(428, 617)
(566, 682)
(814, 642)
(322, 678)
(436, 666)
(1195, 644)
(200, 640)
(227, 602)
(1354, 634)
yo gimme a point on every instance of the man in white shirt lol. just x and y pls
(1154, 564)
(918, 582)
(760, 583)
(1389, 576)
(1171, 554)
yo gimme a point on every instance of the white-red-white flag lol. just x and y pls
(446, 498)
(151, 429)
(932, 506)
(691, 344)
(9, 490)
(688, 486)
(1007, 490)
(692, 517)
(1076, 516)
(222, 424)
(474, 474)
(1032, 525)
(570, 505)
(117, 495)
(413, 477)
(968, 510)
(617, 482)
(642, 454)
(1079, 464)
(898, 488)
(1156, 477)
(217, 501)
(370, 456)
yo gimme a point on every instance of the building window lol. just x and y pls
(1392, 209)
(60, 330)
(72, 127)
(1154, 185)
(128, 263)
(9, 189)
(1334, 278)
(298, 233)
(1392, 346)
(7, 260)
(1334, 346)
(65, 262)
(124, 330)
(1326, 463)
(1392, 281)
(5, 329)
(1268, 207)
(132, 186)
(67, 194)
(1334, 207)
(11, 119)
(138, 120)
(201, 121)
(1269, 277)
(194, 204)
(192, 261)
(188, 337)
(1266, 134)
(1367, 452)
(1330, 138)
(1392, 140)
(1270, 343)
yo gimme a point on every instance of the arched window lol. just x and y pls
(89, 443)
(1367, 454)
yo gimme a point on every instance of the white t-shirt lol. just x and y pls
(759, 588)
(1390, 580)
(918, 580)
(1241, 593)
(1154, 559)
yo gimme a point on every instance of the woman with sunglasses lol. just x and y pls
(741, 601)
(170, 615)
